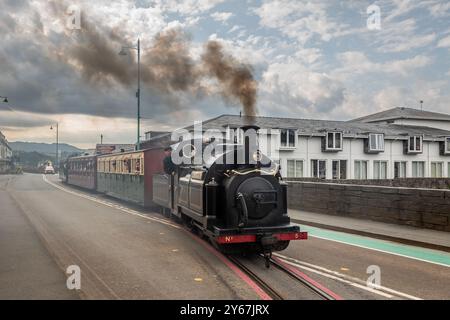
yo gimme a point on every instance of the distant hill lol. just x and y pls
(43, 148)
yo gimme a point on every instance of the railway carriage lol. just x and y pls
(129, 175)
(81, 172)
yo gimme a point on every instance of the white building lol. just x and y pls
(350, 149)
(5, 154)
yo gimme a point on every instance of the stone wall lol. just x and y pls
(425, 208)
(428, 183)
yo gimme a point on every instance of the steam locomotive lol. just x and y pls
(229, 192)
(234, 195)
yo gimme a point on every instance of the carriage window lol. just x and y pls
(137, 167)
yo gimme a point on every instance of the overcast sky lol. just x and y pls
(311, 59)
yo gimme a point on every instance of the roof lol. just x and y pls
(403, 113)
(320, 127)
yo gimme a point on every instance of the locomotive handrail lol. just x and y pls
(244, 220)
(272, 172)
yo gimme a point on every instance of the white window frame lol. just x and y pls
(414, 150)
(367, 169)
(340, 168)
(436, 163)
(379, 169)
(334, 133)
(375, 136)
(295, 168)
(287, 146)
(318, 168)
(406, 169)
(415, 175)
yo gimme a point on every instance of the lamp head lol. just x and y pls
(6, 100)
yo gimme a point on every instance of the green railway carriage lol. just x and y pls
(128, 176)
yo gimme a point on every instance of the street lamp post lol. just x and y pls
(123, 52)
(57, 143)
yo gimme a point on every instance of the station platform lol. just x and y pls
(432, 239)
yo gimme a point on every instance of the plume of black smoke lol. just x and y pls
(167, 67)
(236, 79)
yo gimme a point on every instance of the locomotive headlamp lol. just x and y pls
(257, 155)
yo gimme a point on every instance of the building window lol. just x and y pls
(376, 142)
(415, 144)
(295, 168)
(339, 169)
(333, 141)
(418, 169)
(380, 169)
(400, 169)
(447, 145)
(437, 169)
(360, 169)
(287, 138)
(319, 169)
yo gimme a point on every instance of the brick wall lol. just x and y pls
(425, 208)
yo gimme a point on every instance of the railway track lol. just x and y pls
(299, 277)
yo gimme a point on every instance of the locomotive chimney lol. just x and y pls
(250, 143)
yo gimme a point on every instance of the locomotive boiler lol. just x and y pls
(230, 192)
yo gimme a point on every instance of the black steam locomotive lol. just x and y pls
(233, 194)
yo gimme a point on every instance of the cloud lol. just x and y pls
(312, 59)
(357, 63)
(188, 7)
(444, 42)
(293, 90)
(301, 20)
(221, 16)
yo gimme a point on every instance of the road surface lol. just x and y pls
(125, 252)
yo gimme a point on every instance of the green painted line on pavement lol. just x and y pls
(428, 255)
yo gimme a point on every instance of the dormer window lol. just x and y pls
(287, 138)
(445, 147)
(376, 142)
(415, 144)
(333, 141)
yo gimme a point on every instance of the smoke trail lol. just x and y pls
(235, 78)
(167, 67)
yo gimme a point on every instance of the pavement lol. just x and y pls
(426, 238)
(125, 252)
